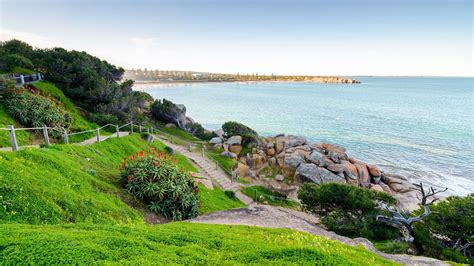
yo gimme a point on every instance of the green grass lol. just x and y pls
(18, 70)
(183, 243)
(23, 137)
(272, 198)
(68, 183)
(180, 134)
(224, 162)
(392, 247)
(213, 200)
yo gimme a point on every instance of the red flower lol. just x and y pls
(129, 178)
(158, 163)
(131, 157)
(174, 161)
(141, 155)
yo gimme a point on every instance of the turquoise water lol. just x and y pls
(419, 127)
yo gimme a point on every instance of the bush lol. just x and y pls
(348, 210)
(249, 136)
(167, 111)
(198, 131)
(230, 194)
(32, 109)
(154, 177)
(103, 119)
(450, 222)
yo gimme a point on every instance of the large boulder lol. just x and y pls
(362, 171)
(373, 170)
(243, 170)
(350, 170)
(316, 174)
(235, 149)
(280, 144)
(291, 162)
(293, 141)
(234, 140)
(317, 158)
(396, 182)
(256, 161)
(377, 188)
(215, 140)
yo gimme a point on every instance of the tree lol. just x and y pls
(400, 220)
(347, 210)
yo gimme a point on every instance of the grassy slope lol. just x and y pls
(23, 137)
(79, 123)
(68, 183)
(216, 200)
(173, 243)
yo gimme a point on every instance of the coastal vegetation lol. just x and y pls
(154, 177)
(348, 210)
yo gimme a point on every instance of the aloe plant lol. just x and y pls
(155, 178)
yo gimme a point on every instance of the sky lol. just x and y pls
(376, 37)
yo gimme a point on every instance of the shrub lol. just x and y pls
(32, 109)
(230, 194)
(249, 136)
(154, 177)
(348, 210)
(448, 227)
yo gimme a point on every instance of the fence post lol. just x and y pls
(202, 151)
(131, 127)
(66, 137)
(217, 165)
(140, 128)
(151, 130)
(13, 138)
(118, 131)
(22, 79)
(97, 133)
(46, 136)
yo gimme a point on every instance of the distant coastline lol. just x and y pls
(324, 80)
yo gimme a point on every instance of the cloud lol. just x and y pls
(31, 38)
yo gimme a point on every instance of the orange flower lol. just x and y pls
(129, 178)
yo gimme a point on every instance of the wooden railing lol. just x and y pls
(66, 135)
(21, 79)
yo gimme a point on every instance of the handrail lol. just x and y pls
(81, 132)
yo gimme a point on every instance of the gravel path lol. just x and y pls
(279, 217)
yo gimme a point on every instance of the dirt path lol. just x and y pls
(279, 217)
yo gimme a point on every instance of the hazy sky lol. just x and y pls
(283, 37)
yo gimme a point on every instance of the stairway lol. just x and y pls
(215, 173)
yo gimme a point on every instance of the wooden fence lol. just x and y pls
(21, 79)
(66, 135)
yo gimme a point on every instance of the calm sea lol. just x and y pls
(419, 127)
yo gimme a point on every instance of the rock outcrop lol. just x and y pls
(294, 159)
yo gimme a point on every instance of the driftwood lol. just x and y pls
(403, 223)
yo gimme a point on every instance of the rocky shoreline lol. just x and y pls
(282, 163)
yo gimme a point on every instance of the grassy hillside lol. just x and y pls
(23, 137)
(184, 243)
(31, 137)
(69, 183)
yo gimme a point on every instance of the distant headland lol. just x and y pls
(167, 76)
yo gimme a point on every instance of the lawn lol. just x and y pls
(69, 183)
(183, 243)
(272, 198)
(213, 200)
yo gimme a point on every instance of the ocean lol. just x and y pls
(420, 127)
